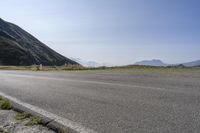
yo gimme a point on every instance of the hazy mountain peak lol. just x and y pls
(153, 62)
(192, 63)
(90, 63)
(157, 62)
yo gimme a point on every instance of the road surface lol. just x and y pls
(129, 101)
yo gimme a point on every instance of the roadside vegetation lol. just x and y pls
(30, 120)
(62, 130)
(4, 132)
(5, 104)
(26, 118)
(79, 67)
(21, 115)
(34, 120)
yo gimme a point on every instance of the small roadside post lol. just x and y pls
(40, 66)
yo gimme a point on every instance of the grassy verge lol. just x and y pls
(78, 67)
(28, 118)
(62, 130)
(21, 115)
(34, 120)
(5, 104)
(4, 132)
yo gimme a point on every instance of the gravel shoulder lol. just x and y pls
(8, 124)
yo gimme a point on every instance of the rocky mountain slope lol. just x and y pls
(18, 47)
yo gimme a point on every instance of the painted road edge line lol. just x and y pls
(51, 120)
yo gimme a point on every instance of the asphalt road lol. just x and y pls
(131, 101)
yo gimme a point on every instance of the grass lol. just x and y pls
(79, 67)
(62, 130)
(15, 68)
(34, 120)
(45, 68)
(21, 116)
(4, 132)
(5, 104)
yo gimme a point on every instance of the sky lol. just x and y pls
(117, 32)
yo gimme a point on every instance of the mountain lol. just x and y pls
(193, 63)
(18, 47)
(156, 62)
(90, 63)
(153, 62)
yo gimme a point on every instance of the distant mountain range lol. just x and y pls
(153, 62)
(18, 47)
(193, 63)
(90, 63)
(156, 62)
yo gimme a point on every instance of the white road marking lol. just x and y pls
(68, 123)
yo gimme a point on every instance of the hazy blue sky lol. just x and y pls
(113, 31)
